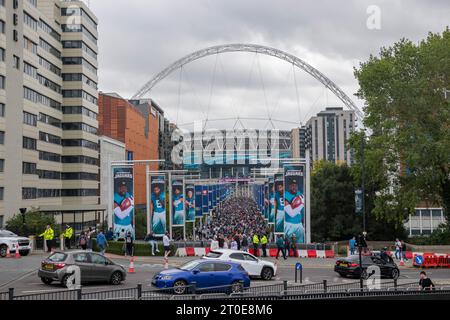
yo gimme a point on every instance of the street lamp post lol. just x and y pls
(363, 181)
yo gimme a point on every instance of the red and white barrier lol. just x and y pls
(200, 252)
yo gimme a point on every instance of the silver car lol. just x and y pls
(93, 267)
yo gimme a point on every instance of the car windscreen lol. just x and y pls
(189, 266)
(4, 234)
(213, 254)
(57, 257)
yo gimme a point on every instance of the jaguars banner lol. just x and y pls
(198, 202)
(190, 203)
(294, 202)
(178, 202)
(123, 180)
(271, 201)
(279, 203)
(158, 204)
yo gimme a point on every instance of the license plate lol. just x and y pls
(48, 267)
(345, 265)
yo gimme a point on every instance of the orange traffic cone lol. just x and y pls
(8, 253)
(17, 255)
(131, 268)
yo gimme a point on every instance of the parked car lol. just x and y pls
(255, 267)
(349, 267)
(93, 266)
(231, 277)
(11, 240)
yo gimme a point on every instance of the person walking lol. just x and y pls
(264, 245)
(425, 283)
(237, 238)
(89, 236)
(214, 244)
(398, 249)
(287, 246)
(129, 244)
(352, 245)
(83, 241)
(67, 235)
(404, 250)
(102, 243)
(244, 243)
(151, 239)
(255, 244)
(221, 241)
(280, 247)
(166, 244)
(109, 234)
(48, 235)
(294, 245)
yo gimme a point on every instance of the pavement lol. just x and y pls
(21, 274)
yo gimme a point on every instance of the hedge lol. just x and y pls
(140, 249)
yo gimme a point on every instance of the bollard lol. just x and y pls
(139, 291)
(285, 287)
(11, 293)
(79, 295)
(194, 288)
(395, 284)
(325, 286)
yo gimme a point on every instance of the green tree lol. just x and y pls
(140, 221)
(407, 152)
(35, 223)
(333, 214)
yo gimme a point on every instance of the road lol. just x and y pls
(21, 274)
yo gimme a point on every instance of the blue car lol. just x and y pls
(232, 277)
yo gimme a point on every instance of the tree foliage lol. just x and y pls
(406, 152)
(35, 223)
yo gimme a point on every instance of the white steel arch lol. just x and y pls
(239, 47)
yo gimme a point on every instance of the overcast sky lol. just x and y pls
(139, 38)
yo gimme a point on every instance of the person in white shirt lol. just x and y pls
(214, 243)
(234, 245)
(166, 244)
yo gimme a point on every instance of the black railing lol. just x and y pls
(237, 291)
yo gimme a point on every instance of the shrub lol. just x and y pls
(140, 249)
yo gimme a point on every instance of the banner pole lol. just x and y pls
(308, 195)
(147, 197)
(170, 204)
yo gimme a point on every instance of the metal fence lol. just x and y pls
(282, 290)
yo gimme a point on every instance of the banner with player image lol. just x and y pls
(123, 180)
(294, 202)
(190, 202)
(266, 202)
(158, 204)
(178, 203)
(271, 202)
(279, 203)
(198, 202)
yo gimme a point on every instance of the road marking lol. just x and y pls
(21, 277)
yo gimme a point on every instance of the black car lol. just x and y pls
(349, 267)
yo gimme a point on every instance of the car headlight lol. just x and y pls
(166, 277)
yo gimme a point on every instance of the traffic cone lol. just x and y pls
(8, 253)
(131, 268)
(17, 255)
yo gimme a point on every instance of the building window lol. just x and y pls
(80, 176)
(2, 110)
(49, 138)
(49, 66)
(79, 126)
(79, 94)
(49, 84)
(2, 195)
(33, 2)
(29, 193)
(30, 21)
(49, 120)
(80, 143)
(79, 192)
(49, 193)
(2, 137)
(29, 168)
(2, 26)
(29, 143)
(49, 30)
(48, 156)
(49, 175)
(16, 62)
(29, 119)
(29, 45)
(2, 82)
(79, 110)
(81, 159)
(30, 70)
(49, 48)
(2, 54)
(2, 165)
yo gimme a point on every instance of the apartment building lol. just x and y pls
(49, 147)
(329, 132)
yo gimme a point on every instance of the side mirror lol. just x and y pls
(196, 271)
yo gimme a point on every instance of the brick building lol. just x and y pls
(134, 123)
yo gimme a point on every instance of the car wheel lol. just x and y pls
(65, 281)
(46, 280)
(395, 274)
(116, 278)
(3, 250)
(266, 273)
(237, 287)
(179, 287)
